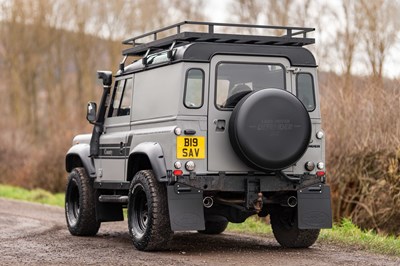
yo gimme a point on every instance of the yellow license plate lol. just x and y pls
(190, 148)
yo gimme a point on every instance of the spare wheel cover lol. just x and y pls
(270, 129)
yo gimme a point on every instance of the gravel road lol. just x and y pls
(37, 234)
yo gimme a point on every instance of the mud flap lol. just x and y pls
(185, 205)
(314, 207)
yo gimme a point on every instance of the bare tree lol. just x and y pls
(26, 44)
(347, 39)
(246, 11)
(302, 11)
(379, 23)
(188, 10)
(279, 13)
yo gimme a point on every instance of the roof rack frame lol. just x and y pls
(295, 36)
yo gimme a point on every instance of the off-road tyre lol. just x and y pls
(148, 217)
(214, 227)
(286, 232)
(80, 204)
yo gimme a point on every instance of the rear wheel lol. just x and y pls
(148, 218)
(80, 209)
(214, 227)
(286, 232)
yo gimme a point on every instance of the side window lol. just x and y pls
(126, 101)
(121, 101)
(305, 90)
(194, 87)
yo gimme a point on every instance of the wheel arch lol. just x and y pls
(78, 156)
(147, 155)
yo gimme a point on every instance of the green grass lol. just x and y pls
(349, 234)
(345, 233)
(35, 195)
(251, 225)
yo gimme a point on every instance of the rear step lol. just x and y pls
(113, 198)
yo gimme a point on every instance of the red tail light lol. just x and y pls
(320, 173)
(178, 172)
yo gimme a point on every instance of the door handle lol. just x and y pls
(219, 125)
(121, 147)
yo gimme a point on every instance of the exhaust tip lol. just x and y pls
(208, 202)
(292, 201)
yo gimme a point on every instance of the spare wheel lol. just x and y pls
(270, 129)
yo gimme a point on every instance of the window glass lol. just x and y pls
(125, 106)
(122, 98)
(235, 80)
(116, 99)
(305, 90)
(194, 88)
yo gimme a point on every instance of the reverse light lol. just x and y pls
(177, 172)
(178, 131)
(319, 135)
(178, 165)
(309, 166)
(190, 165)
(320, 165)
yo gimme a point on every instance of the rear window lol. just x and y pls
(305, 90)
(235, 80)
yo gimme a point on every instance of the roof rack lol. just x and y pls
(293, 36)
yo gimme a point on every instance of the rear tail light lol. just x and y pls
(178, 172)
(320, 173)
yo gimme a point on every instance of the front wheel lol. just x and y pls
(80, 210)
(148, 218)
(286, 232)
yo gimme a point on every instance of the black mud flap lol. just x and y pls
(108, 212)
(185, 206)
(314, 207)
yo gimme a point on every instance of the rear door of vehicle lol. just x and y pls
(230, 75)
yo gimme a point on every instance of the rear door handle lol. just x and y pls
(219, 125)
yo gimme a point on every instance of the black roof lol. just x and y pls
(297, 56)
(293, 36)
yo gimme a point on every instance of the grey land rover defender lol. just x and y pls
(201, 129)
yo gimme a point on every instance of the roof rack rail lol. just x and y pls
(293, 36)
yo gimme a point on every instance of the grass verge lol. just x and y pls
(344, 233)
(35, 195)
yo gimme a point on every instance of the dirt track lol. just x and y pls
(36, 234)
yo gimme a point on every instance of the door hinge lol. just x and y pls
(293, 69)
(100, 173)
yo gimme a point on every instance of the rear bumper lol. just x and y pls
(238, 183)
(185, 200)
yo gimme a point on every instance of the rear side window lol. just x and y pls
(305, 90)
(194, 87)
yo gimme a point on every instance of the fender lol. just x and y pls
(78, 156)
(154, 152)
